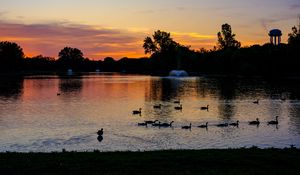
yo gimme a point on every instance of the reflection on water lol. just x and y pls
(226, 110)
(100, 138)
(34, 118)
(11, 87)
(70, 84)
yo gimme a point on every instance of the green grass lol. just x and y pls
(235, 161)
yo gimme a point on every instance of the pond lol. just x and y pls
(54, 112)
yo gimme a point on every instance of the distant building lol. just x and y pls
(275, 36)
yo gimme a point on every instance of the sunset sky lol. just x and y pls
(116, 28)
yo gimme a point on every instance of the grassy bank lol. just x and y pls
(237, 161)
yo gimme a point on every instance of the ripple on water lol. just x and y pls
(34, 118)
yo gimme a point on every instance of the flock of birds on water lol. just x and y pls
(157, 123)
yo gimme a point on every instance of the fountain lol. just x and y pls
(178, 73)
(70, 72)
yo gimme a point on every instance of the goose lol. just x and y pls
(177, 102)
(157, 106)
(203, 126)
(274, 122)
(178, 107)
(205, 108)
(256, 102)
(137, 112)
(156, 124)
(151, 122)
(142, 124)
(223, 125)
(100, 132)
(257, 122)
(235, 124)
(187, 127)
(166, 124)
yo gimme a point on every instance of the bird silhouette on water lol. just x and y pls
(166, 124)
(178, 107)
(157, 106)
(100, 135)
(187, 127)
(142, 124)
(273, 122)
(223, 125)
(135, 112)
(150, 122)
(256, 102)
(100, 132)
(257, 122)
(205, 108)
(177, 102)
(203, 126)
(235, 124)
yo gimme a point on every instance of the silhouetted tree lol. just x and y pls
(294, 37)
(70, 58)
(226, 39)
(11, 55)
(40, 63)
(109, 64)
(161, 42)
(42, 58)
(164, 51)
(109, 60)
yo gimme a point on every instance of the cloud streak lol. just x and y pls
(96, 42)
(49, 38)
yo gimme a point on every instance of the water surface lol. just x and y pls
(34, 118)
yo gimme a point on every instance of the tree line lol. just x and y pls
(227, 57)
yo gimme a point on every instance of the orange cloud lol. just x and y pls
(96, 42)
(49, 39)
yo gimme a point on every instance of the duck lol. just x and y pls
(100, 132)
(142, 124)
(166, 124)
(223, 125)
(203, 126)
(137, 112)
(274, 122)
(257, 122)
(256, 102)
(187, 127)
(235, 124)
(156, 124)
(178, 107)
(205, 108)
(157, 106)
(151, 122)
(177, 102)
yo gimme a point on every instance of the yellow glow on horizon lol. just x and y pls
(121, 54)
(193, 35)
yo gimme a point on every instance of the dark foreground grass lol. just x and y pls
(236, 161)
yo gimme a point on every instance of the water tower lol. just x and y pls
(275, 36)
